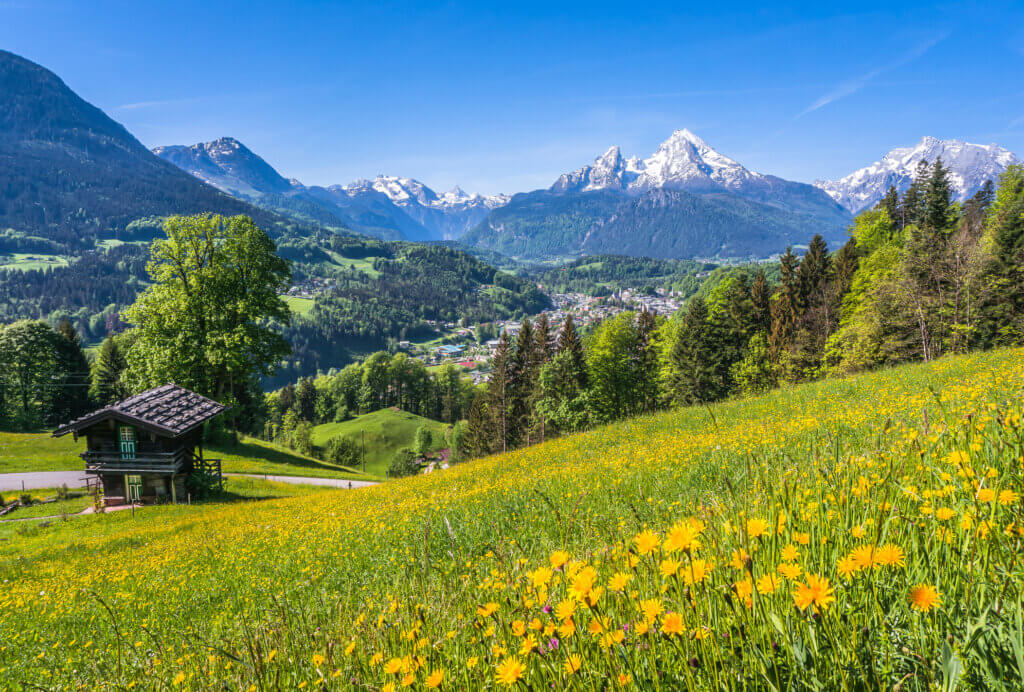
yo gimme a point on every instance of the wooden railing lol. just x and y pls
(147, 462)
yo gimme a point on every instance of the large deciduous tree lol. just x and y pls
(204, 323)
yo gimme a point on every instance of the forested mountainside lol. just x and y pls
(69, 173)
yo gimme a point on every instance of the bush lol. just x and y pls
(424, 441)
(403, 464)
(302, 438)
(202, 484)
(342, 451)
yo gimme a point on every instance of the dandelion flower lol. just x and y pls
(924, 598)
(816, 591)
(646, 542)
(485, 611)
(672, 624)
(889, 555)
(510, 671)
(756, 528)
(790, 553)
(572, 664)
(558, 558)
(433, 680)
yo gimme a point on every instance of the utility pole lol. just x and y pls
(362, 435)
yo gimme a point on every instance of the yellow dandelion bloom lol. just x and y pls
(434, 680)
(565, 609)
(558, 558)
(646, 542)
(790, 553)
(767, 584)
(619, 581)
(925, 598)
(572, 664)
(816, 591)
(889, 555)
(756, 528)
(487, 610)
(651, 608)
(668, 567)
(672, 624)
(682, 537)
(510, 671)
(789, 570)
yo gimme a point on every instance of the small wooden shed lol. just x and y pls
(144, 448)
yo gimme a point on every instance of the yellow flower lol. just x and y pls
(790, 553)
(858, 531)
(567, 629)
(651, 608)
(958, 457)
(863, 556)
(565, 609)
(393, 666)
(518, 628)
(528, 645)
(408, 680)
(889, 555)
(668, 567)
(1008, 497)
(681, 537)
(816, 591)
(471, 662)
(558, 558)
(619, 581)
(847, 566)
(802, 538)
(672, 624)
(179, 678)
(318, 660)
(789, 570)
(756, 528)
(986, 494)
(767, 584)
(487, 610)
(510, 671)
(924, 598)
(739, 558)
(944, 513)
(646, 542)
(572, 664)
(540, 576)
(433, 680)
(697, 571)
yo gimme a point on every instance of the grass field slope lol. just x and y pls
(859, 533)
(384, 432)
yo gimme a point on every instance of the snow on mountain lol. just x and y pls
(684, 161)
(407, 191)
(970, 165)
(229, 165)
(397, 205)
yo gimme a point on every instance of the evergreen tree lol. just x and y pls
(71, 393)
(761, 298)
(936, 214)
(891, 202)
(305, 400)
(107, 386)
(569, 341)
(499, 394)
(646, 362)
(911, 206)
(543, 346)
(786, 309)
(1003, 307)
(695, 374)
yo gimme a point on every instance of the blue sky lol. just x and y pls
(503, 97)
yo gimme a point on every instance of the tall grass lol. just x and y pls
(848, 534)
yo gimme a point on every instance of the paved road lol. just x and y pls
(75, 479)
(41, 479)
(304, 480)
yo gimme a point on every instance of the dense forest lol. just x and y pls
(407, 286)
(602, 275)
(920, 277)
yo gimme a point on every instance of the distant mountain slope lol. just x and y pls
(970, 165)
(388, 207)
(686, 200)
(67, 171)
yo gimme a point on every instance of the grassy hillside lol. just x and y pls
(23, 452)
(386, 431)
(862, 532)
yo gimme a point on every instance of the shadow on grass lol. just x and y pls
(256, 452)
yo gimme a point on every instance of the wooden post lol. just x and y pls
(174, 491)
(126, 498)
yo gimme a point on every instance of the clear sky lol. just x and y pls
(505, 96)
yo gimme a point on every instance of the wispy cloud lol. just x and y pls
(155, 104)
(852, 86)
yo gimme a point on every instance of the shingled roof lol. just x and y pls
(169, 410)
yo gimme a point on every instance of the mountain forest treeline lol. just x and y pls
(920, 277)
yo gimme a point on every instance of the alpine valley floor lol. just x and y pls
(854, 533)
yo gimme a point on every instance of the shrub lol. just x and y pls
(342, 451)
(403, 464)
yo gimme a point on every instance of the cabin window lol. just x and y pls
(127, 435)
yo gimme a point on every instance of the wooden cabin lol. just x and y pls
(144, 448)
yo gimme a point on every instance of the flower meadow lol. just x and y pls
(851, 534)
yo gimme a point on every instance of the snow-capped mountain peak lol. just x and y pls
(970, 165)
(683, 161)
(227, 164)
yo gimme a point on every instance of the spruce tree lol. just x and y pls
(107, 387)
(305, 400)
(646, 358)
(912, 203)
(761, 299)
(936, 214)
(543, 348)
(569, 341)
(696, 375)
(498, 391)
(1003, 308)
(70, 395)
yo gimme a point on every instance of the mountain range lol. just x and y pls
(388, 207)
(685, 200)
(970, 165)
(68, 172)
